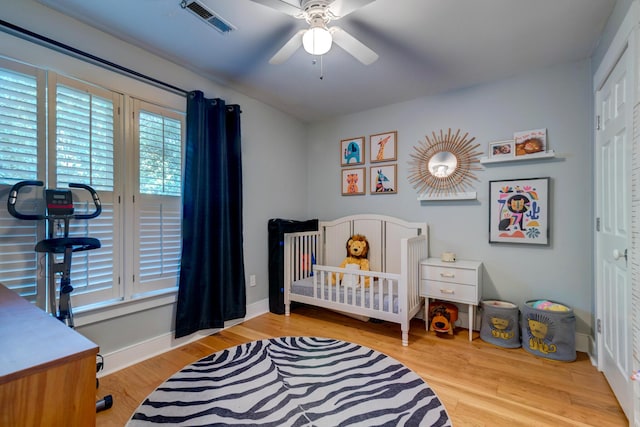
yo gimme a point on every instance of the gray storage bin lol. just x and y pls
(500, 324)
(549, 333)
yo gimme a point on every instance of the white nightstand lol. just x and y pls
(459, 281)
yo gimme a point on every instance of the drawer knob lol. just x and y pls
(448, 275)
(447, 291)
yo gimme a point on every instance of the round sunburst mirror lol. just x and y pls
(442, 165)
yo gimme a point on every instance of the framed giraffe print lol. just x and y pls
(354, 181)
(352, 151)
(383, 146)
(383, 179)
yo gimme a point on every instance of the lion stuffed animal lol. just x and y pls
(357, 252)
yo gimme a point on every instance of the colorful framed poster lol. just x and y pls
(353, 181)
(384, 179)
(352, 151)
(383, 146)
(519, 211)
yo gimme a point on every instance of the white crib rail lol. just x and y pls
(301, 251)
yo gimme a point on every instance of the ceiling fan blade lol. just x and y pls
(353, 46)
(288, 49)
(340, 8)
(281, 6)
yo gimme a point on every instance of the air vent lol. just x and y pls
(209, 16)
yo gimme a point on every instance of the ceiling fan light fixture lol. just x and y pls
(317, 40)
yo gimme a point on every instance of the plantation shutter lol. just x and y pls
(21, 154)
(159, 133)
(86, 129)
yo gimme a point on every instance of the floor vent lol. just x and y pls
(209, 16)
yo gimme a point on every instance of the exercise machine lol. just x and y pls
(58, 212)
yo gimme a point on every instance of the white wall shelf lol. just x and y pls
(546, 155)
(469, 195)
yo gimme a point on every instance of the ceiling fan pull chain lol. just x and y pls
(321, 67)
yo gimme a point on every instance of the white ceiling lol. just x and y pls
(425, 47)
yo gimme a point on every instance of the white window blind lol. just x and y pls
(21, 130)
(86, 127)
(159, 133)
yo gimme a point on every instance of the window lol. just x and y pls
(158, 211)
(140, 224)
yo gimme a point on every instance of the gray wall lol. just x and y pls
(558, 99)
(274, 177)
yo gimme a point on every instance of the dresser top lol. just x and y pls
(31, 339)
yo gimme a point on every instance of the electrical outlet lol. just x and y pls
(252, 280)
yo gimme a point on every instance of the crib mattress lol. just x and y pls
(304, 287)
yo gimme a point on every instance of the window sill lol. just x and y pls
(95, 313)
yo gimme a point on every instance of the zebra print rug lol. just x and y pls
(294, 381)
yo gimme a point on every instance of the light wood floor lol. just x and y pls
(479, 384)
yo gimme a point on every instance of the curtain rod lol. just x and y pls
(64, 48)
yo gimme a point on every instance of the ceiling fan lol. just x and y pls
(318, 39)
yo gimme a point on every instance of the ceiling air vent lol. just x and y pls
(209, 16)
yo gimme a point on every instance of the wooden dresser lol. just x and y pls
(47, 370)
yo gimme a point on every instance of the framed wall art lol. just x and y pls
(384, 179)
(519, 211)
(501, 149)
(354, 181)
(352, 151)
(383, 146)
(530, 142)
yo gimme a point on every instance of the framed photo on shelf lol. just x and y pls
(383, 146)
(501, 149)
(530, 142)
(352, 151)
(354, 181)
(383, 179)
(519, 211)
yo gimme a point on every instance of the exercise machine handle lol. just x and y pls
(96, 202)
(13, 197)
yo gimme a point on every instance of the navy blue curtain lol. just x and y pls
(212, 285)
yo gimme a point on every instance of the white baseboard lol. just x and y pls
(141, 351)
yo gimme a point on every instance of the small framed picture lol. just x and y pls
(382, 147)
(530, 142)
(519, 211)
(383, 179)
(502, 149)
(354, 181)
(352, 151)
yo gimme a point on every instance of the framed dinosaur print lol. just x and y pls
(382, 147)
(519, 211)
(352, 151)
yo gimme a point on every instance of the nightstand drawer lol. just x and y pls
(449, 291)
(450, 274)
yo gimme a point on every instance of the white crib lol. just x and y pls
(311, 261)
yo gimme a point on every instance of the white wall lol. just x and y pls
(558, 99)
(274, 177)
